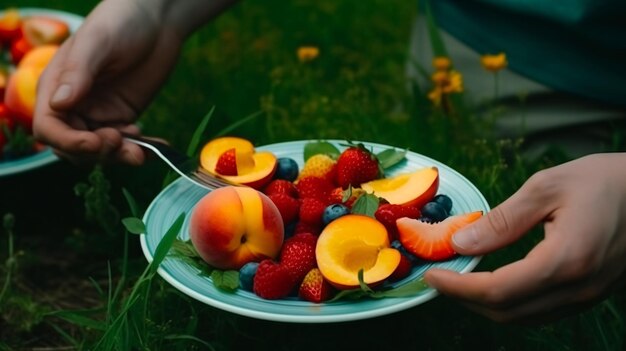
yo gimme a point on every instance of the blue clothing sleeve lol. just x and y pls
(574, 46)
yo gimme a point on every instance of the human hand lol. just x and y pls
(581, 258)
(101, 79)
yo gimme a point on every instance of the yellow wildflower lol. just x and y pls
(454, 83)
(494, 63)
(441, 63)
(308, 53)
(435, 96)
(440, 78)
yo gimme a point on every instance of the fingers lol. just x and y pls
(506, 223)
(75, 69)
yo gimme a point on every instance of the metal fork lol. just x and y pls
(179, 162)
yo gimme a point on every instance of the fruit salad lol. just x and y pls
(338, 224)
(28, 43)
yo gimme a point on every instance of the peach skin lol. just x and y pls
(233, 225)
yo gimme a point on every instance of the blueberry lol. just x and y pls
(434, 211)
(445, 201)
(246, 275)
(287, 169)
(333, 212)
(396, 244)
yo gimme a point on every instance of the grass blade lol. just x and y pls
(197, 134)
(239, 123)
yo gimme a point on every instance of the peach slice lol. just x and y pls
(414, 188)
(254, 169)
(351, 243)
(432, 242)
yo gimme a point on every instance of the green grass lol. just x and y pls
(72, 276)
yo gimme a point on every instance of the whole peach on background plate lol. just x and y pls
(183, 196)
(20, 91)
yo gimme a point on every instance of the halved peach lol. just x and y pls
(254, 169)
(351, 243)
(414, 188)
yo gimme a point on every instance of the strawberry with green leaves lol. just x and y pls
(314, 288)
(357, 165)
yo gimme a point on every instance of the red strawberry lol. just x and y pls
(403, 270)
(40, 30)
(314, 287)
(432, 241)
(314, 187)
(227, 163)
(10, 24)
(387, 214)
(357, 165)
(303, 227)
(281, 186)
(272, 280)
(19, 48)
(287, 206)
(298, 254)
(311, 211)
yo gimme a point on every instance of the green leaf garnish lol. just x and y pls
(134, 225)
(366, 204)
(390, 157)
(320, 147)
(225, 280)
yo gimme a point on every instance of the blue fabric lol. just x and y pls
(575, 46)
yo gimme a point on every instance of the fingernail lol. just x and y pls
(466, 238)
(61, 94)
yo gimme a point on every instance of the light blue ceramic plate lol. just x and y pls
(46, 156)
(181, 196)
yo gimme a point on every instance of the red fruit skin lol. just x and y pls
(227, 163)
(403, 270)
(315, 288)
(387, 214)
(303, 227)
(298, 255)
(311, 211)
(19, 48)
(356, 165)
(272, 280)
(288, 207)
(281, 186)
(314, 187)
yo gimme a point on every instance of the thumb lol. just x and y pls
(503, 225)
(78, 64)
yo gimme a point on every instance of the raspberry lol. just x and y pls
(303, 227)
(387, 214)
(298, 254)
(311, 211)
(314, 187)
(281, 186)
(272, 280)
(287, 206)
(403, 270)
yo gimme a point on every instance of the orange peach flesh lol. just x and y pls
(415, 188)
(352, 243)
(254, 169)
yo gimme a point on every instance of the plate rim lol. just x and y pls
(408, 302)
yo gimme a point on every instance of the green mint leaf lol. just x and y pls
(225, 280)
(320, 147)
(366, 204)
(350, 294)
(390, 157)
(347, 194)
(134, 225)
(411, 288)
